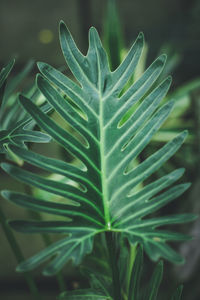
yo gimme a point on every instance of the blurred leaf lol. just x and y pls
(14, 83)
(3, 76)
(153, 287)
(173, 59)
(14, 120)
(186, 89)
(112, 35)
(136, 292)
(83, 295)
(134, 285)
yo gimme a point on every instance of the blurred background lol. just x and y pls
(29, 31)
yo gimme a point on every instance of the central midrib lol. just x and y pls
(103, 166)
(105, 198)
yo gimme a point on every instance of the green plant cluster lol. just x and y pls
(104, 198)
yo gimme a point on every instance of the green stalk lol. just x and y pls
(110, 241)
(132, 254)
(19, 256)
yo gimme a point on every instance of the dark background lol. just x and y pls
(162, 21)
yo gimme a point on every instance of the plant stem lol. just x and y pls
(113, 264)
(19, 256)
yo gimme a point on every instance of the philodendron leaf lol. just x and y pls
(13, 130)
(104, 197)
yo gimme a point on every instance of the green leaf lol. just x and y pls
(14, 121)
(104, 194)
(16, 81)
(96, 267)
(83, 295)
(152, 290)
(78, 243)
(134, 285)
(112, 35)
(5, 72)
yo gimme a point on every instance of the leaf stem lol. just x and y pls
(19, 256)
(110, 241)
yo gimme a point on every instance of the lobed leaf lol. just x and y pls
(114, 128)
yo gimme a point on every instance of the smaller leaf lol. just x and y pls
(99, 282)
(152, 289)
(5, 72)
(113, 38)
(151, 292)
(87, 294)
(125, 259)
(96, 267)
(16, 81)
(14, 121)
(75, 246)
(134, 285)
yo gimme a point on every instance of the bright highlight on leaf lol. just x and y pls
(108, 201)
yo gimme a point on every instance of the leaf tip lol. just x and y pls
(63, 27)
(41, 65)
(62, 23)
(182, 136)
(163, 57)
(179, 172)
(169, 79)
(5, 166)
(39, 79)
(11, 63)
(140, 39)
(184, 187)
(141, 36)
(5, 194)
